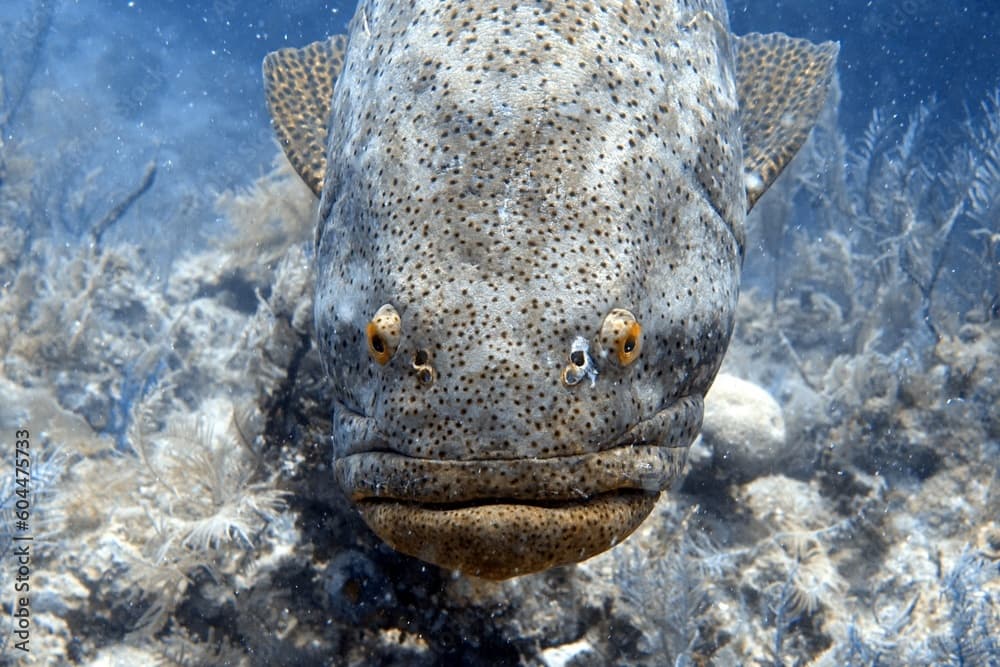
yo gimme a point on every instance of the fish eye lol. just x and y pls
(620, 337)
(383, 332)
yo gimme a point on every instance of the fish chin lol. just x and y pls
(502, 540)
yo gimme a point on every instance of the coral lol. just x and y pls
(971, 362)
(33, 508)
(984, 209)
(793, 569)
(882, 333)
(772, 591)
(140, 389)
(744, 428)
(90, 325)
(867, 316)
(15, 237)
(191, 503)
(44, 507)
(953, 620)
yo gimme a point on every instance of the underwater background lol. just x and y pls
(841, 507)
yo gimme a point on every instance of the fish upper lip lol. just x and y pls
(687, 409)
(647, 457)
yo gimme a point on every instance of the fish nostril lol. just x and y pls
(426, 373)
(581, 364)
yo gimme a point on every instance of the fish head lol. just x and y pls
(518, 396)
(527, 259)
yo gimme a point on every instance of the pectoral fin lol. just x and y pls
(782, 84)
(298, 86)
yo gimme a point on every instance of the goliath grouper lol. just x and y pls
(528, 249)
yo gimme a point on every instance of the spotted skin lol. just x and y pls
(300, 86)
(505, 175)
(782, 66)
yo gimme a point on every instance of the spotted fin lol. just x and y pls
(782, 84)
(298, 86)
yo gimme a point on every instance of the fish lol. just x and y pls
(529, 238)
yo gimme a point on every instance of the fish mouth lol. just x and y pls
(499, 518)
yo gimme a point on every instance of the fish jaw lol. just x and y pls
(499, 518)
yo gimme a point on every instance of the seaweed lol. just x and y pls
(962, 630)
(782, 607)
(266, 219)
(177, 509)
(694, 598)
(884, 220)
(984, 207)
(882, 314)
(669, 595)
(973, 627)
(201, 503)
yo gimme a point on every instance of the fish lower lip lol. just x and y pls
(497, 540)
